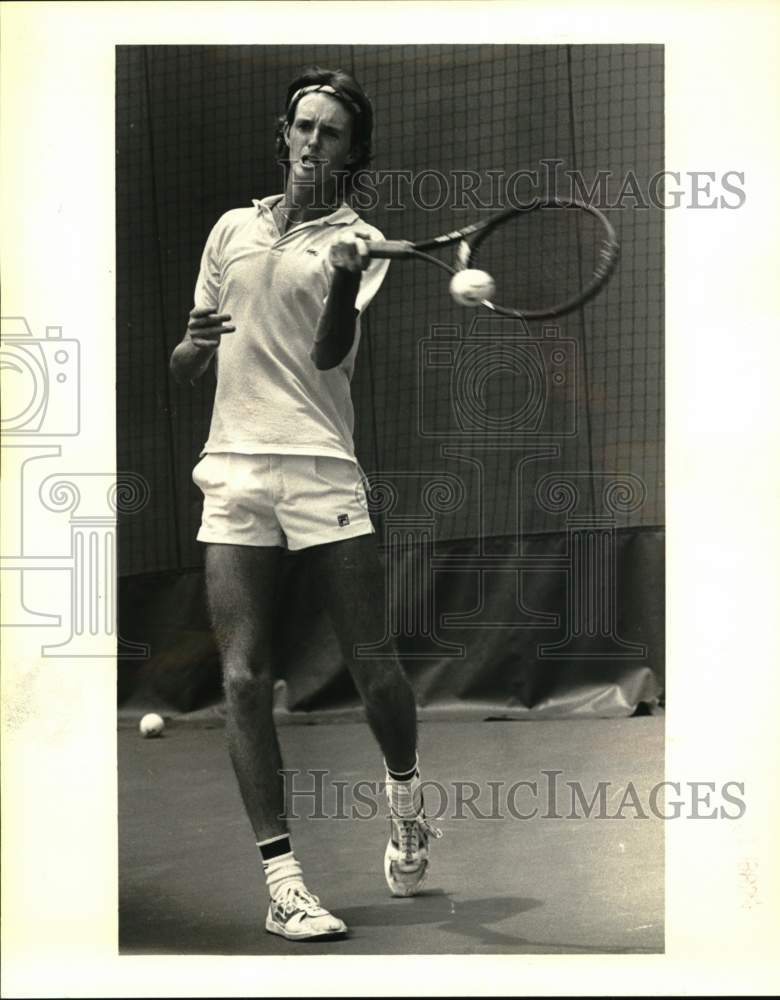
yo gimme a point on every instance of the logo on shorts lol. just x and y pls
(343, 520)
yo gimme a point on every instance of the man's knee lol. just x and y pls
(248, 677)
(247, 663)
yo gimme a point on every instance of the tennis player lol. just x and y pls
(282, 326)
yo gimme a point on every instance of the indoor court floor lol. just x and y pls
(191, 880)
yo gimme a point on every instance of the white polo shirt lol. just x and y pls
(270, 398)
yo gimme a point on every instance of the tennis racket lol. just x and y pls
(546, 259)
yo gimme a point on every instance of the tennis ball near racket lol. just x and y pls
(151, 725)
(470, 287)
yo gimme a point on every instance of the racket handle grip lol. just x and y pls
(390, 249)
(379, 248)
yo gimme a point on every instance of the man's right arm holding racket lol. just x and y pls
(336, 328)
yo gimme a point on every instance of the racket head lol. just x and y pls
(547, 259)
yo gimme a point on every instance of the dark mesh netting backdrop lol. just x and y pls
(521, 466)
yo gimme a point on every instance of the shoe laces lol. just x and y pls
(297, 897)
(412, 830)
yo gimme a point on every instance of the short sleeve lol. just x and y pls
(371, 282)
(207, 285)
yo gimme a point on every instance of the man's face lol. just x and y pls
(320, 140)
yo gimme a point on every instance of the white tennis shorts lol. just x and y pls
(292, 501)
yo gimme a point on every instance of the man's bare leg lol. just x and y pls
(241, 583)
(351, 575)
(352, 579)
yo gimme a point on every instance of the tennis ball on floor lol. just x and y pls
(470, 287)
(151, 725)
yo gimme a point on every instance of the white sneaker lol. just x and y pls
(296, 914)
(406, 854)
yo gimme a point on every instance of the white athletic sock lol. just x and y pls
(280, 864)
(404, 791)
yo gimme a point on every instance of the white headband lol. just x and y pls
(324, 88)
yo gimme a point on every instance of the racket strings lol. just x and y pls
(545, 259)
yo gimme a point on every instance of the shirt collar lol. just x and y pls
(343, 215)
